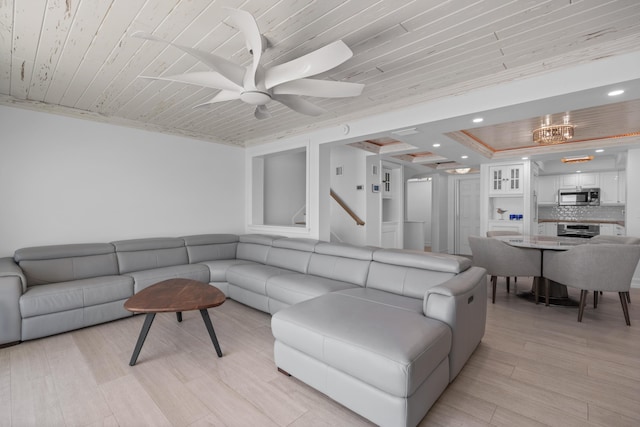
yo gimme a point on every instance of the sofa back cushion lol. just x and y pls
(292, 254)
(146, 254)
(63, 263)
(412, 273)
(255, 247)
(339, 261)
(211, 247)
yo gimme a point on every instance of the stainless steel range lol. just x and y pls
(574, 229)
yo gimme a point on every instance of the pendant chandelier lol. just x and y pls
(548, 133)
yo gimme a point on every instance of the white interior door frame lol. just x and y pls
(469, 223)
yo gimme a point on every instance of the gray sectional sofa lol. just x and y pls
(381, 331)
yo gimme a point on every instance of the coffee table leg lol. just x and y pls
(148, 320)
(212, 334)
(179, 316)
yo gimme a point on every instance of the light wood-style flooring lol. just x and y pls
(536, 366)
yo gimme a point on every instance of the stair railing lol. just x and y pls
(346, 208)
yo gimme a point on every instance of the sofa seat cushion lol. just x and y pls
(294, 288)
(253, 277)
(63, 296)
(145, 278)
(386, 346)
(218, 268)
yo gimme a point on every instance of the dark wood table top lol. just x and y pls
(175, 295)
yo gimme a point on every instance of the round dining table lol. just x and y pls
(558, 294)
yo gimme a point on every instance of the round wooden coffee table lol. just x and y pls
(174, 295)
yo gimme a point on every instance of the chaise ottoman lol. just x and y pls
(374, 352)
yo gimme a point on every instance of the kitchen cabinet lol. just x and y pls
(607, 230)
(579, 180)
(506, 225)
(612, 230)
(612, 187)
(547, 228)
(548, 189)
(550, 228)
(506, 180)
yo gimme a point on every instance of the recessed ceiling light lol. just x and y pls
(436, 145)
(525, 158)
(404, 132)
(578, 171)
(464, 157)
(478, 120)
(599, 150)
(616, 92)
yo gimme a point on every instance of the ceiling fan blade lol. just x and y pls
(319, 88)
(318, 61)
(300, 105)
(262, 112)
(248, 26)
(228, 69)
(223, 95)
(210, 79)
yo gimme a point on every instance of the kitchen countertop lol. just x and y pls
(584, 221)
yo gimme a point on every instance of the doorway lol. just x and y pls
(466, 197)
(419, 205)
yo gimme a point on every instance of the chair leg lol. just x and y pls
(494, 282)
(628, 297)
(508, 284)
(536, 288)
(546, 292)
(595, 299)
(625, 309)
(583, 302)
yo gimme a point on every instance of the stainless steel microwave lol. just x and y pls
(579, 197)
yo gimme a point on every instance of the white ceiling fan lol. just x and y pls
(285, 83)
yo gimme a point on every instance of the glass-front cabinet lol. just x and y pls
(506, 180)
(506, 199)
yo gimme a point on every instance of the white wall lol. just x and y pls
(419, 205)
(285, 186)
(353, 164)
(64, 180)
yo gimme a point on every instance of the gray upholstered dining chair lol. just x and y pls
(601, 267)
(622, 240)
(501, 259)
(494, 233)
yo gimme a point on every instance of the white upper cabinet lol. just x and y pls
(506, 180)
(548, 189)
(579, 180)
(612, 187)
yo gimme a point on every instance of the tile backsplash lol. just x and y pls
(578, 213)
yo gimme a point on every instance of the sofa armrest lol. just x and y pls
(461, 303)
(9, 268)
(12, 286)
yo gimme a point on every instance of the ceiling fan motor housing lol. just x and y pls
(255, 97)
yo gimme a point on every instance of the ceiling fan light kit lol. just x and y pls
(285, 83)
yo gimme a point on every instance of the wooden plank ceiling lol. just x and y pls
(78, 56)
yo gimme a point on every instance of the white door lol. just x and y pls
(467, 213)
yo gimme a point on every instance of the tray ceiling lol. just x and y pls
(78, 57)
